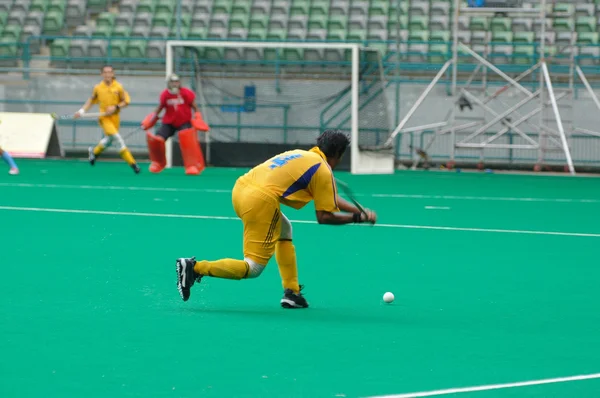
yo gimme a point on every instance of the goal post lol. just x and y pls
(364, 113)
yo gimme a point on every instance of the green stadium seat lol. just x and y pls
(523, 37)
(60, 48)
(12, 32)
(97, 6)
(186, 20)
(239, 20)
(198, 34)
(418, 52)
(118, 48)
(38, 5)
(319, 8)
(585, 24)
(393, 10)
(275, 35)
(184, 31)
(162, 19)
(259, 22)
(122, 31)
(106, 19)
(57, 5)
(338, 22)
(523, 54)
(300, 7)
(588, 38)
(418, 23)
(501, 24)
(438, 50)
(241, 7)
(317, 22)
(293, 54)
(136, 49)
(563, 24)
(564, 7)
(222, 7)
(167, 7)
(8, 48)
(357, 35)
(392, 22)
(337, 34)
(479, 24)
(379, 8)
(257, 33)
(145, 6)
(102, 31)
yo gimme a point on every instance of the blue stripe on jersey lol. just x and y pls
(303, 181)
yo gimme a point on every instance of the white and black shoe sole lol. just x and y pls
(287, 303)
(180, 266)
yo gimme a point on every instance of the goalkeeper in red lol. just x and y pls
(293, 178)
(178, 103)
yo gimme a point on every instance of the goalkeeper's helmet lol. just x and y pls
(173, 84)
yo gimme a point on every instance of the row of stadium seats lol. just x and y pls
(153, 21)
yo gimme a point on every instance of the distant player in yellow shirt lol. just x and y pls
(292, 178)
(111, 97)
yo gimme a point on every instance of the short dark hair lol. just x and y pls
(106, 66)
(333, 143)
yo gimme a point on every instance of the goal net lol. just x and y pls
(267, 95)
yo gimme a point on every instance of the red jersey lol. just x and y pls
(178, 109)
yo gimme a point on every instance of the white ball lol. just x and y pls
(388, 297)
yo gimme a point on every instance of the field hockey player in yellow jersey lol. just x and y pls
(293, 178)
(111, 97)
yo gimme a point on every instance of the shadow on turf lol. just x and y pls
(339, 315)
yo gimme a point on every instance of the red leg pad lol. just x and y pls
(156, 149)
(193, 159)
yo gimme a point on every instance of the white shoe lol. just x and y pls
(13, 171)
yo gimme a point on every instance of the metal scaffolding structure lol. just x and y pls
(550, 139)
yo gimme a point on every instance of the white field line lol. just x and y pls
(194, 216)
(437, 208)
(372, 195)
(490, 387)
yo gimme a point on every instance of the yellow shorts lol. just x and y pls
(110, 124)
(261, 216)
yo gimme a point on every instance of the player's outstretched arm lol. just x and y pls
(84, 108)
(325, 217)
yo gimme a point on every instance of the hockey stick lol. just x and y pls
(71, 116)
(346, 188)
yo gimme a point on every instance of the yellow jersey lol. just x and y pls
(296, 177)
(106, 95)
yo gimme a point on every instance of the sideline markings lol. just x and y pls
(490, 387)
(373, 195)
(194, 216)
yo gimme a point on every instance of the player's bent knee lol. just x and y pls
(286, 228)
(255, 269)
(120, 140)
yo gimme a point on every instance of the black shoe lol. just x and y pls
(293, 300)
(186, 277)
(136, 168)
(91, 156)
